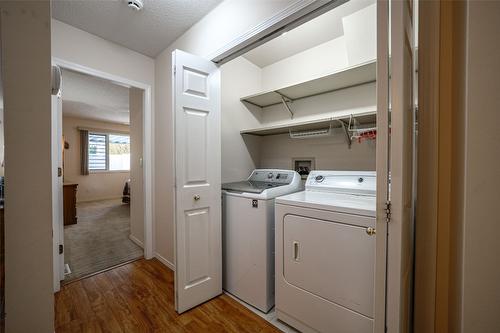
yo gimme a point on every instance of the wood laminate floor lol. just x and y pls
(139, 297)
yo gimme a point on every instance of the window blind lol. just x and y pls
(97, 152)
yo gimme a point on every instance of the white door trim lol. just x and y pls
(290, 17)
(148, 135)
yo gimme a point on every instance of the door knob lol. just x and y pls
(371, 231)
(196, 197)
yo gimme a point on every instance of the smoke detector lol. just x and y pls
(135, 4)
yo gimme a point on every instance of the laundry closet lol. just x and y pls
(304, 101)
(288, 103)
(306, 132)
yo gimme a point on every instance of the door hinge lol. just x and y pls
(61, 249)
(387, 211)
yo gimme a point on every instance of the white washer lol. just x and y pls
(325, 253)
(248, 234)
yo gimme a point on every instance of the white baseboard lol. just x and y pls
(136, 241)
(165, 261)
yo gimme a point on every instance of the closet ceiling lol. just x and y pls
(315, 32)
(88, 97)
(148, 31)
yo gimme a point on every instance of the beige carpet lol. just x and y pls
(100, 239)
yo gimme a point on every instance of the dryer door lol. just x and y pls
(334, 261)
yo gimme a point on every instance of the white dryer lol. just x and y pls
(325, 253)
(248, 234)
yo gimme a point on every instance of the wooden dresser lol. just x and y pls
(69, 199)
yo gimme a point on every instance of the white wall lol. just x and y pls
(95, 186)
(136, 171)
(314, 62)
(25, 34)
(223, 24)
(240, 154)
(80, 47)
(481, 272)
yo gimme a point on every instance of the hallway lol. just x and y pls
(139, 297)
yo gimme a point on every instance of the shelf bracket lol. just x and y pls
(285, 100)
(346, 133)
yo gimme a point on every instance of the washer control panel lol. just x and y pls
(272, 176)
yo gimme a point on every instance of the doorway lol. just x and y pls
(102, 222)
(106, 190)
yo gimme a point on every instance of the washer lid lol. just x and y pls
(336, 202)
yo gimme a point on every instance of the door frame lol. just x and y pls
(148, 141)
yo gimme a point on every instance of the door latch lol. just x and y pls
(61, 249)
(59, 172)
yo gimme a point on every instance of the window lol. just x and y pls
(109, 152)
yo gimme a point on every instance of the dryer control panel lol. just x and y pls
(352, 182)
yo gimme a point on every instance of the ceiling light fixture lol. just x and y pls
(135, 4)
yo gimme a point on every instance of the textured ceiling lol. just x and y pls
(88, 97)
(148, 31)
(315, 32)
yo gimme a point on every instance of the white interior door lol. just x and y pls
(57, 191)
(198, 257)
(395, 47)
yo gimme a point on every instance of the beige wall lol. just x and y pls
(223, 24)
(95, 186)
(136, 97)
(25, 34)
(329, 153)
(481, 272)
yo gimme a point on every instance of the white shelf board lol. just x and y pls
(349, 77)
(362, 119)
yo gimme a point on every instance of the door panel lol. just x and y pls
(196, 146)
(197, 241)
(382, 160)
(395, 88)
(57, 191)
(198, 275)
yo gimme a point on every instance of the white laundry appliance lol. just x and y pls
(248, 234)
(325, 253)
